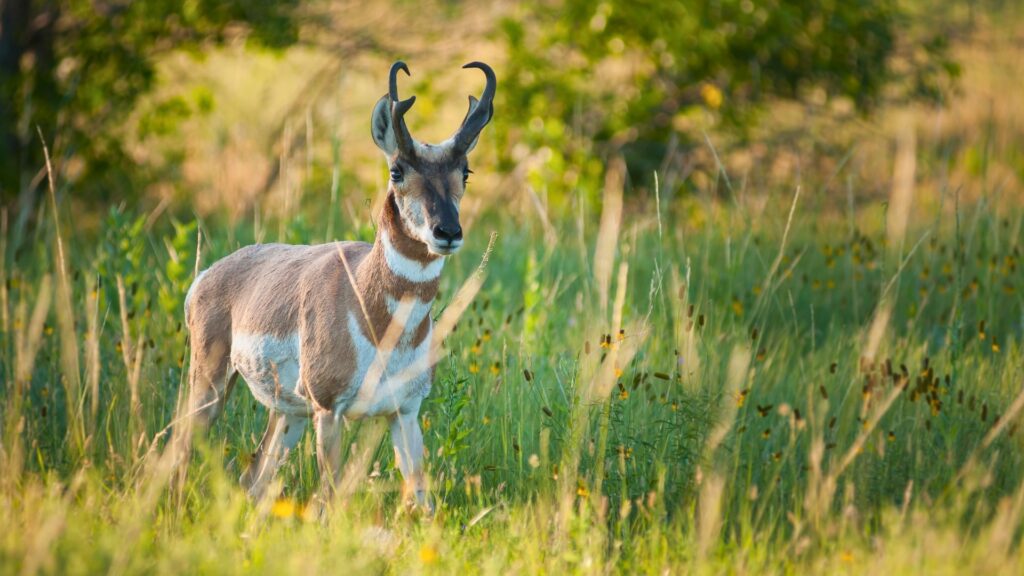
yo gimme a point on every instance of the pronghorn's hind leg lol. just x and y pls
(210, 384)
(210, 375)
(283, 433)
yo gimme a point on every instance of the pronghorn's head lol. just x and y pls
(428, 180)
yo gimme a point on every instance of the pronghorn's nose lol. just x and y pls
(448, 233)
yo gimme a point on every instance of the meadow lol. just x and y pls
(803, 361)
(737, 390)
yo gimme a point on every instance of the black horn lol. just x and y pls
(398, 110)
(480, 115)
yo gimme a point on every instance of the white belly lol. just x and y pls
(270, 367)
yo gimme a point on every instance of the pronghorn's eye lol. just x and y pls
(396, 174)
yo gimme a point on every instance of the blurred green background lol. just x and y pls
(230, 108)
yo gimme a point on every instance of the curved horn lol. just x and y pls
(398, 110)
(481, 114)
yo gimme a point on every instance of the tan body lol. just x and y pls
(341, 329)
(289, 320)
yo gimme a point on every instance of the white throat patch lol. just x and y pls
(407, 268)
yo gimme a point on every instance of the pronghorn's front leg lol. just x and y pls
(408, 441)
(328, 450)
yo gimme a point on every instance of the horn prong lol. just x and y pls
(398, 110)
(479, 116)
(393, 78)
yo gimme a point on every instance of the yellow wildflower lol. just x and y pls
(711, 95)
(283, 508)
(428, 554)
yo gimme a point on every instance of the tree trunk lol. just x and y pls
(14, 24)
(27, 95)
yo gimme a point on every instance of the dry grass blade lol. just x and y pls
(359, 296)
(26, 348)
(1011, 414)
(620, 354)
(876, 332)
(446, 323)
(378, 368)
(972, 463)
(766, 285)
(686, 330)
(92, 354)
(712, 486)
(550, 235)
(131, 354)
(608, 233)
(739, 364)
(27, 342)
(65, 319)
(902, 196)
(39, 554)
(869, 427)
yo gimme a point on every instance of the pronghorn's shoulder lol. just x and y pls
(353, 252)
(329, 261)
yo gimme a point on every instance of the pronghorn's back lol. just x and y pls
(258, 287)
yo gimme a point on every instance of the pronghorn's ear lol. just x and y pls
(380, 126)
(473, 103)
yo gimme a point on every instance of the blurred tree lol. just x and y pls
(75, 68)
(628, 74)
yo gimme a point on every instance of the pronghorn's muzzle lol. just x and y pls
(447, 239)
(446, 232)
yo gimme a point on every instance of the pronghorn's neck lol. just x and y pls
(397, 267)
(406, 258)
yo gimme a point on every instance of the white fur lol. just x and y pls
(407, 439)
(407, 268)
(433, 152)
(270, 367)
(382, 392)
(418, 309)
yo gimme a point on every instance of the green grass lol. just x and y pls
(744, 430)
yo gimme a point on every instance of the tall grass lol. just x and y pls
(702, 386)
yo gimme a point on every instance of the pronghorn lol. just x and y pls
(302, 324)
